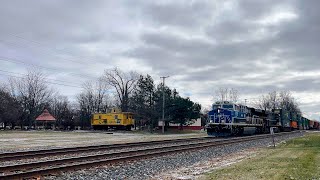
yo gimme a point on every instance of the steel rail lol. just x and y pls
(62, 151)
(89, 161)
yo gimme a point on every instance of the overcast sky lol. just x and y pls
(253, 46)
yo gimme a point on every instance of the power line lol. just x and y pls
(41, 44)
(45, 81)
(37, 43)
(41, 50)
(33, 65)
(46, 78)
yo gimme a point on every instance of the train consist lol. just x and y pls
(116, 119)
(227, 119)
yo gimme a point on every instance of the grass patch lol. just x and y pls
(296, 159)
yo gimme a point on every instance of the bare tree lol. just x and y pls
(94, 96)
(62, 110)
(287, 101)
(32, 92)
(233, 95)
(263, 103)
(123, 83)
(281, 100)
(226, 94)
(273, 99)
(10, 109)
(220, 94)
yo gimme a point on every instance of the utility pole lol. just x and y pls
(163, 99)
(245, 102)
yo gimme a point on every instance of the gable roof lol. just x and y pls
(45, 116)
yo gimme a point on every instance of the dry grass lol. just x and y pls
(17, 140)
(297, 159)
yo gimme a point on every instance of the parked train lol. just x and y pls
(116, 119)
(227, 119)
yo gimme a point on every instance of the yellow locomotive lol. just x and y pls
(115, 119)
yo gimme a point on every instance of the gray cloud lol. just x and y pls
(254, 46)
(187, 14)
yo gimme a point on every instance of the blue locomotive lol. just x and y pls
(228, 118)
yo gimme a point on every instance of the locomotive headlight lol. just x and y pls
(211, 121)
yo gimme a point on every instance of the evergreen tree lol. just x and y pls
(184, 110)
(142, 101)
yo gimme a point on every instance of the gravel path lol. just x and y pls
(152, 168)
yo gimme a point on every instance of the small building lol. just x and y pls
(45, 120)
(195, 124)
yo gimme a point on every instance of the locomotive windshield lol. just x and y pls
(216, 106)
(228, 106)
(224, 106)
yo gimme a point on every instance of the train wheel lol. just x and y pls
(210, 132)
(241, 130)
(128, 128)
(237, 131)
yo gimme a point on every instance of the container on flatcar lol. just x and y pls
(284, 118)
(300, 125)
(306, 123)
(294, 125)
(304, 120)
(293, 121)
(115, 119)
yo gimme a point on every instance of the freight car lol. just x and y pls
(116, 119)
(313, 124)
(316, 125)
(227, 118)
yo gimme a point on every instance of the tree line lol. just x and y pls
(272, 100)
(23, 99)
(279, 100)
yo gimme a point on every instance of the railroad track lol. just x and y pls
(63, 151)
(37, 169)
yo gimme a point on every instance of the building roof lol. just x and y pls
(45, 116)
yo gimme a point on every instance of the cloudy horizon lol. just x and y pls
(254, 47)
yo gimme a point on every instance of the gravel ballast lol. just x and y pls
(152, 168)
(92, 153)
